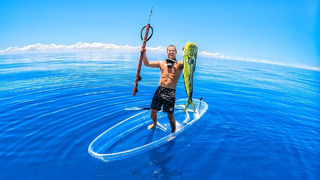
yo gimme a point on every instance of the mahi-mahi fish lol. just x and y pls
(189, 65)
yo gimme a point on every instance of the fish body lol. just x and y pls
(189, 65)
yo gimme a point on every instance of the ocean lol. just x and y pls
(262, 122)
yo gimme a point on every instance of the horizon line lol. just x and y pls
(41, 48)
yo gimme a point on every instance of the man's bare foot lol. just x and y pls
(151, 126)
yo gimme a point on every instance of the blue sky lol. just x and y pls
(285, 31)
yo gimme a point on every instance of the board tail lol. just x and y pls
(189, 102)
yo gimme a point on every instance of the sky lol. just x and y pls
(284, 31)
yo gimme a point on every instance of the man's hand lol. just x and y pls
(142, 50)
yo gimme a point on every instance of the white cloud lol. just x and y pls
(222, 56)
(214, 55)
(76, 47)
(35, 48)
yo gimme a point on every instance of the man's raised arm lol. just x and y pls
(146, 61)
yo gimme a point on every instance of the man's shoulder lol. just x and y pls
(161, 63)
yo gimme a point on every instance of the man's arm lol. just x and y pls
(146, 61)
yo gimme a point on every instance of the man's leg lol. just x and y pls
(172, 122)
(154, 118)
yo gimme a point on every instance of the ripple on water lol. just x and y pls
(262, 123)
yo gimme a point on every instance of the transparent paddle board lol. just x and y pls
(131, 136)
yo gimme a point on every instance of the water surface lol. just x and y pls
(262, 121)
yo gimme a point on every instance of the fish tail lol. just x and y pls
(189, 102)
(194, 109)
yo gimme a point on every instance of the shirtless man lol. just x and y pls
(165, 94)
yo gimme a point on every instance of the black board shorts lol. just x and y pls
(166, 97)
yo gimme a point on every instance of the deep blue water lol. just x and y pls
(262, 122)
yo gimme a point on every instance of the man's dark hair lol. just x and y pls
(172, 46)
